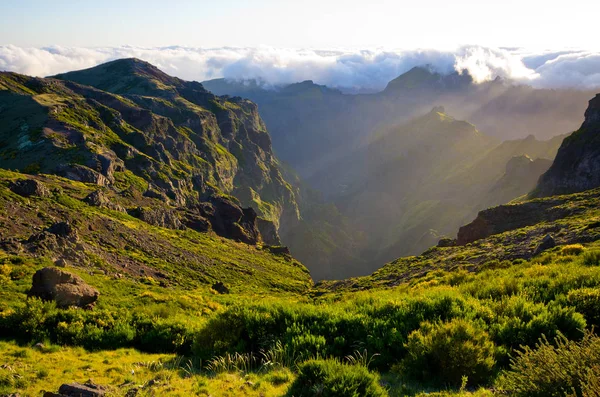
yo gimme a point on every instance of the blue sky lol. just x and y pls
(307, 23)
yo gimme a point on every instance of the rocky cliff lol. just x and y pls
(129, 126)
(577, 164)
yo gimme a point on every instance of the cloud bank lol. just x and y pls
(353, 70)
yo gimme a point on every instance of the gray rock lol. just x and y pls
(99, 199)
(158, 217)
(66, 289)
(29, 187)
(62, 229)
(547, 243)
(82, 390)
(81, 173)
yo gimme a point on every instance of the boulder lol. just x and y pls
(62, 229)
(231, 221)
(197, 222)
(29, 187)
(547, 243)
(99, 199)
(220, 288)
(66, 289)
(88, 389)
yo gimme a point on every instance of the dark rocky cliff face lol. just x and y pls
(577, 164)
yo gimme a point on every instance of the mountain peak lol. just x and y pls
(421, 78)
(123, 76)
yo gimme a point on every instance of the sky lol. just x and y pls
(441, 24)
(360, 44)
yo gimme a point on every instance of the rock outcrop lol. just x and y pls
(512, 216)
(161, 217)
(29, 187)
(230, 220)
(65, 288)
(268, 232)
(99, 199)
(80, 173)
(577, 165)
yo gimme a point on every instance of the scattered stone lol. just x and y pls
(132, 392)
(66, 289)
(11, 245)
(547, 243)
(220, 288)
(29, 187)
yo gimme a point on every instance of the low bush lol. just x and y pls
(587, 302)
(444, 353)
(572, 249)
(98, 329)
(591, 258)
(330, 378)
(559, 368)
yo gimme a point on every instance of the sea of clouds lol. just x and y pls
(352, 70)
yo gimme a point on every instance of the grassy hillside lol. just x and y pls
(445, 322)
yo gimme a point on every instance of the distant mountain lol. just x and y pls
(314, 126)
(419, 181)
(577, 164)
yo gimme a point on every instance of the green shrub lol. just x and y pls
(521, 322)
(330, 378)
(445, 352)
(591, 258)
(572, 249)
(554, 369)
(587, 302)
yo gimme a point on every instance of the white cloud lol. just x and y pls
(349, 69)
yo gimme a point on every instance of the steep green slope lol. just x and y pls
(106, 240)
